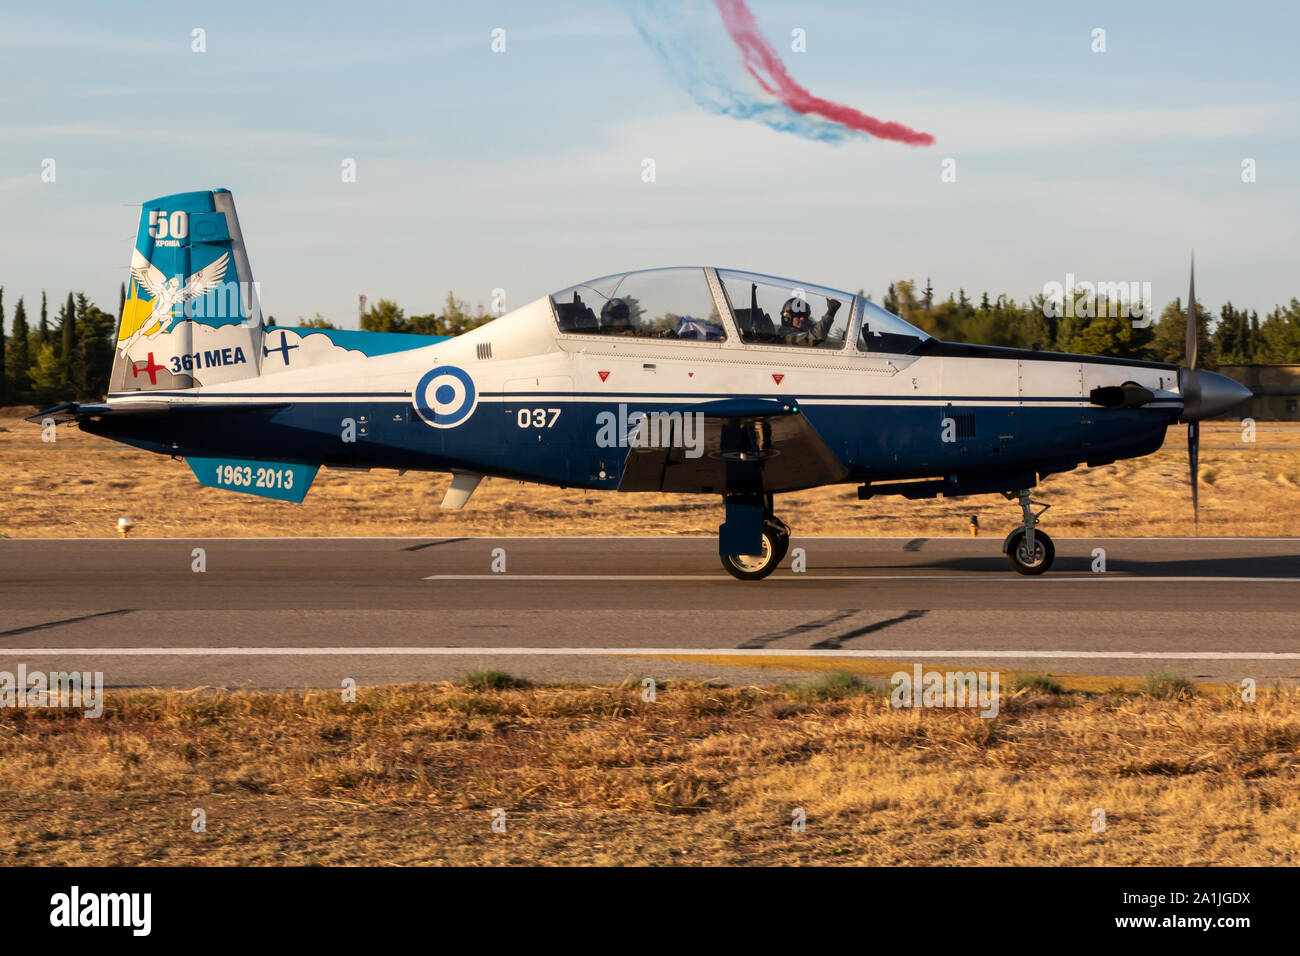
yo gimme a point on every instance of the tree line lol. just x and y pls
(387, 316)
(46, 360)
(1092, 325)
(43, 362)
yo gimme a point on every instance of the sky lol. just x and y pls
(522, 170)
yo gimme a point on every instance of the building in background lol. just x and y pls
(1276, 388)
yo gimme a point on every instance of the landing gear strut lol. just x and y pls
(776, 542)
(1028, 550)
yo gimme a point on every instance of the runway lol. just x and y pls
(310, 612)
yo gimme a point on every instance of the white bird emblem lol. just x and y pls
(169, 293)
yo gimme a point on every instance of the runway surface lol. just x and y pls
(311, 611)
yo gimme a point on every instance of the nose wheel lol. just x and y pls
(755, 567)
(1028, 550)
(1025, 561)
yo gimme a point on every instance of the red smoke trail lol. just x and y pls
(759, 55)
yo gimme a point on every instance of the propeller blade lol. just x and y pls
(1193, 460)
(1189, 379)
(1192, 337)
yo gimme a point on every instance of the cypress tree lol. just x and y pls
(45, 320)
(1241, 330)
(78, 378)
(96, 350)
(19, 356)
(69, 340)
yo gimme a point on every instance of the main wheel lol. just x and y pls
(755, 567)
(780, 535)
(1022, 561)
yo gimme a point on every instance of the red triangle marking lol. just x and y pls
(603, 375)
(777, 378)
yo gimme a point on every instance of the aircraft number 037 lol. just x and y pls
(244, 476)
(537, 417)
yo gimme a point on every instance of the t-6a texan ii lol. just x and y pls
(687, 380)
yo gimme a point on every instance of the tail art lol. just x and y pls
(191, 315)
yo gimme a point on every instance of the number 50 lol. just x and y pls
(162, 226)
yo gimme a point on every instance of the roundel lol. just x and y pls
(445, 396)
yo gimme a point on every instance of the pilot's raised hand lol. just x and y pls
(823, 326)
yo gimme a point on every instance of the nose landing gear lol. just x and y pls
(1028, 550)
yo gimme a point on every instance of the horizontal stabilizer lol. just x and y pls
(79, 411)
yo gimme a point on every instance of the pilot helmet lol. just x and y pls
(615, 312)
(795, 311)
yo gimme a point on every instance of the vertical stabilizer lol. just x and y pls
(192, 316)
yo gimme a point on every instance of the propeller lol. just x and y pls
(1191, 396)
(1205, 394)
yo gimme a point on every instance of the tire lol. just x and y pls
(780, 534)
(1018, 557)
(755, 567)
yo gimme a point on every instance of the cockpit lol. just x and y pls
(689, 304)
(651, 304)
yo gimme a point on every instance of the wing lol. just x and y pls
(147, 275)
(207, 278)
(747, 445)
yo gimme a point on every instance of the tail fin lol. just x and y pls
(192, 315)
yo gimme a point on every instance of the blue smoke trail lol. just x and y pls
(689, 40)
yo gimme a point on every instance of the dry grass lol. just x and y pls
(711, 775)
(80, 485)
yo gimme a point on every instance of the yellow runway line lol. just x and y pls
(862, 667)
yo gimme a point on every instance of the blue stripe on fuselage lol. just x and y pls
(876, 442)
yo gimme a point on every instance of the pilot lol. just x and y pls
(796, 327)
(616, 318)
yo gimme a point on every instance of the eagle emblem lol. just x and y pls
(169, 293)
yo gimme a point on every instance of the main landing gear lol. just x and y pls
(1028, 550)
(775, 544)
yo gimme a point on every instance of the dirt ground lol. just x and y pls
(701, 775)
(78, 486)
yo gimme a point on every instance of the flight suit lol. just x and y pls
(816, 335)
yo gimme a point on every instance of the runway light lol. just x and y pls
(124, 525)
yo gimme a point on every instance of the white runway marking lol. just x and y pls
(1008, 577)
(637, 652)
